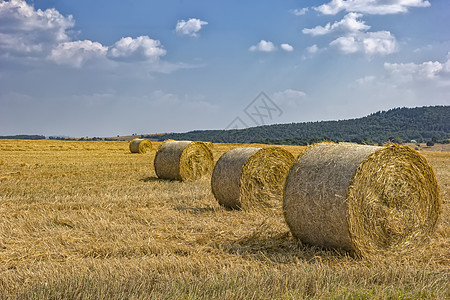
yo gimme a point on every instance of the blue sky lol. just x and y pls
(106, 68)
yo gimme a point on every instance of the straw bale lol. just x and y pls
(251, 178)
(365, 199)
(183, 160)
(140, 146)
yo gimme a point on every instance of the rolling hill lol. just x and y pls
(421, 124)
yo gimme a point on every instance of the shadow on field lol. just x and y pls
(153, 179)
(196, 209)
(281, 248)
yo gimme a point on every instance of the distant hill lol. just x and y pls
(23, 137)
(421, 124)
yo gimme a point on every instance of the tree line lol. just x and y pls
(421, 124)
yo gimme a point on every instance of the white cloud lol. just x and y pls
(299, 12)
(77, 53)
(370, 43)
(26, 31)
(19, 45)
(263, 46)
(350, 23)
(140, 48)
(318, 30)
(431, 73)
(312, 49)
(190, 27)
(289, 98)
(376, 7)
(356, 38)
(366, 79)
(405, 72)
(29, 35)
(287, 47)
(447, 63)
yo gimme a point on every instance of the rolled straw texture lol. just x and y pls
(140, 146)
(183, 160)
(365, 199)
(251, 178)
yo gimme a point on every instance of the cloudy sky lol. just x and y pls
(103, 68)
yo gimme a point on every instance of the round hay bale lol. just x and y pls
(365, 199)
(183, 160)
(251, 178)
(210, 145)
(140, 146)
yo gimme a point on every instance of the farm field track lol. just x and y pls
(90, 220)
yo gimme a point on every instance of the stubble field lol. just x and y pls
(89, 220)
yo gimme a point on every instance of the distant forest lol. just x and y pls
(42, 137)
(400, 125)
(23, 137)
(421, 124)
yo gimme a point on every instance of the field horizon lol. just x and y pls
(90, 220)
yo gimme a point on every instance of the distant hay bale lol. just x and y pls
(140, 146)
(251, 178)
(183, 160)
(365, 199)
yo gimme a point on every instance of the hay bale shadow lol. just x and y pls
(282, 248)
(196, 210)
(153, 179)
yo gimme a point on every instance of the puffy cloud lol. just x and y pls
(46, 34)
(355, 36)
(299, 12)
(77, 53)
(376, 7)
(263, 46)
(140, 48)
(370, 43)
(433, 73)
(405, 72)
(287, 47)
(312, 49)
(350, 23)
(26, 31)
(19, 45)
(190, 27)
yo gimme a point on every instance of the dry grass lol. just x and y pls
(89, 220)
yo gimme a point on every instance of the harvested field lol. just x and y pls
(90, 220)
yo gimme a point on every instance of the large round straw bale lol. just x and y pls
(251, 178)
(368, 200)
(140, 146)
(183, 160)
